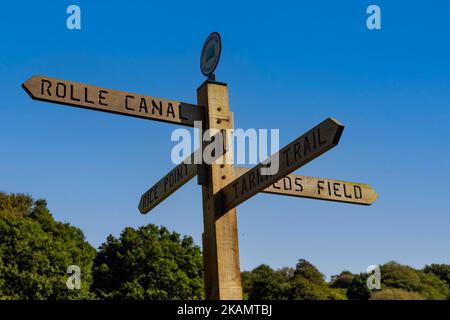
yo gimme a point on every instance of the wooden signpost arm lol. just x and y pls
(168, 184)
(86, 96)
(297, 185)
(307, 147)
(220, 238)
(294, 185)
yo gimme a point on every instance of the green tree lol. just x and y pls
(148, 263)
(395, 294)
(308, 271)
(247, 284)
(428, 285)
(343, 280)
(308, 283)
(440, 270)
(400, 282)
(304, 282)
(263, 283)
(357, 290)
(35, 252)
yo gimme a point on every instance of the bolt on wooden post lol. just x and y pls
(222, 273)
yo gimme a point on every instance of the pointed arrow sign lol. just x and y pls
(294, 185)
(113, 101)
(170, 183)
(309, 146)
(175, 179)
(297, 185)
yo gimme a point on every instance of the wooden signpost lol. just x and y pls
(224, 186)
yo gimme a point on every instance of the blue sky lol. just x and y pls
(288, 65)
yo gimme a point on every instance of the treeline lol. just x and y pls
(305, 282)
(153, 263)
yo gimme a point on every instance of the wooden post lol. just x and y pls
(222, 275)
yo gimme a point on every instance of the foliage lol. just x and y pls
(309, 284)
(408, 283)
(35, 252)
(440, 270)
(148, 263)
(343, 280)
(357, 289)
(152, 263)
(395, 294)
(304, 282)
(263, 283)
(247, 284)
(306, 270)
(427, 285)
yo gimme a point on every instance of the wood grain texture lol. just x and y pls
(297, 185)
(222, 273)
(170, 183)
(294, 185)
(101, 99)
(309, 146)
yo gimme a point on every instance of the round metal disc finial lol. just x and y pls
(210, 55)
